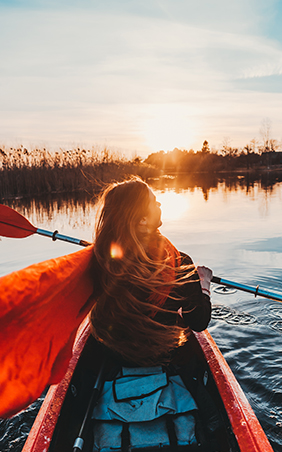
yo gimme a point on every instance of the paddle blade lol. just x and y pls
(13, 224)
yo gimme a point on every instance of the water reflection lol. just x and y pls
(208, 182)
(45, 209)
(76, 211)
(174, 205)
(222, 223)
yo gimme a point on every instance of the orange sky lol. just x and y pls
(139, 76)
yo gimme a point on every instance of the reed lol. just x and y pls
(39, 171)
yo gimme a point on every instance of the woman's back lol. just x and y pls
(148, 295)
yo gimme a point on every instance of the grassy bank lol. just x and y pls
(39, 172)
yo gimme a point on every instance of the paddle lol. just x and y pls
(79, 442)
(254, 290)
(13, 224)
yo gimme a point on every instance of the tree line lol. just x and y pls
(34, 172)
(253, 157)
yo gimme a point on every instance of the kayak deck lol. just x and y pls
(218, 395)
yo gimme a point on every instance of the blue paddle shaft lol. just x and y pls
(254, 290)
(65, 238)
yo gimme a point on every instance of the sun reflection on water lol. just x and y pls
(174, 205)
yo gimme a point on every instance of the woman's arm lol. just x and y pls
(192, 299)
(196, 297)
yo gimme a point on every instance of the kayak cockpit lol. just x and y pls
(211, 432)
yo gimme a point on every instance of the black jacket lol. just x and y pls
(189, 297)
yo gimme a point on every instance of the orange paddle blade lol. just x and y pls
(13, 224)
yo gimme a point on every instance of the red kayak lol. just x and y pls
(61, 415)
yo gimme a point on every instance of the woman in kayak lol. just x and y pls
(148, 295)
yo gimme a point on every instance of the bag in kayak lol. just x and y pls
(144, 407)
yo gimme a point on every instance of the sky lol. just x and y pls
(139, 76)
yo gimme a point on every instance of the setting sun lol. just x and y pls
(169, 126)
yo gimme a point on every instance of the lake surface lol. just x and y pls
(234, 227)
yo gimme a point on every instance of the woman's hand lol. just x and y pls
(205, 275)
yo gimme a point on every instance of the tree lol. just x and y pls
(265, 131)
(226, 146)
(254, 144)
(205, 147)
(274, 145)
(248, 150)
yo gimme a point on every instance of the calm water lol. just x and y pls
(234, 228)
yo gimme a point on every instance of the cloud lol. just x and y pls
(264, 84)
(105, 53)
(110, 70)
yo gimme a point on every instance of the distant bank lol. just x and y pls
(38, 172)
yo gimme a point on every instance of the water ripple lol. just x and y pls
(14, 431)
(235, 317)
(221, 312)
(276, 325)
(275, 310)
(231, 316)
(242, 318)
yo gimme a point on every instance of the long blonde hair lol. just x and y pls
(121, 317)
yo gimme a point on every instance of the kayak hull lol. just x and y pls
(246, 434)
(245, 425)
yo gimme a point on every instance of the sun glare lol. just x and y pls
(182, 339)
(168, 126)
(173, 205)
(116, 251)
